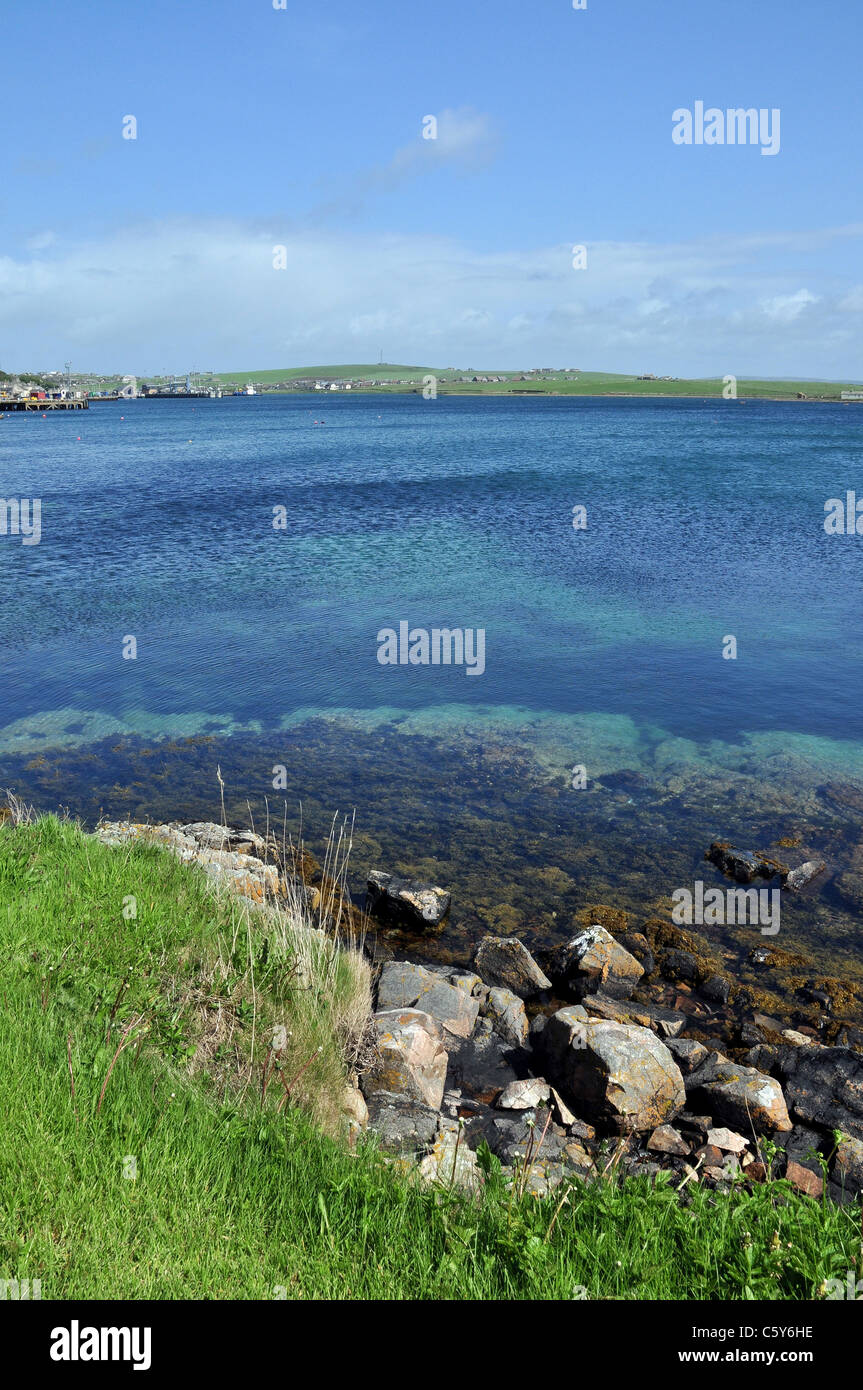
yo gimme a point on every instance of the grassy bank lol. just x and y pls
(140, 1155)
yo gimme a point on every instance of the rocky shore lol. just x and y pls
(618, 1049)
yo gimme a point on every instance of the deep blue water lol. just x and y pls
(705, 518)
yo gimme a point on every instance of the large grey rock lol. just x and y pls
(593, 962)
(407, 899)
(507, 1015)
(619, 1077)
(410, 1059)
(740, 1097)
(505, 962)
(402, 1125)
(403, 985)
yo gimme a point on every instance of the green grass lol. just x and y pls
(235, 1200)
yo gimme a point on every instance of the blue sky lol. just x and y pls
(303, 128)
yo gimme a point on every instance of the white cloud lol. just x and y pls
(170, 295)
(786, 307)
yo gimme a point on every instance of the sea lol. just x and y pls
(672, 646)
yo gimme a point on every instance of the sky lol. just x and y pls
(302, 128)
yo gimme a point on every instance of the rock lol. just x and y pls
(717, 990)
(537, 1025)
(462, 979)
(847, 1169)
(403, 985)
(739, 1096)
(211, 836)
(679, 965)
(824, 1086)
(666, 1140)
(698, 1126)
(757, 1172)
(243, 874)
(849, 1036)
(576, 1156)
(725, 1172)
(687, 1053)
(727, 1140)
(451, 1162)
(803, 1147)
(482, 1067)
(511, 1137)
(544, 1176)
(768, 1025)
(561, 1110)
(507, 1015)
(664, 1021)
(524, 1095)
(798, 878)
(503, 961)
(818, 996)
(798, 1039)
(411, 1059)
(740, 864)
(573, 1017)
(618, 1076)
(638, 945)
(804, 1180)
(594, 962)
(406, 899)
(402, 1125)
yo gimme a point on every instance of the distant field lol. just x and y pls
(582, 384)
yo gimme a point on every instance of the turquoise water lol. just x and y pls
(704, 519)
